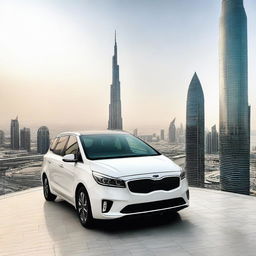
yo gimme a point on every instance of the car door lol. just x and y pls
(57, 164)
(69, 170)
(49, 161)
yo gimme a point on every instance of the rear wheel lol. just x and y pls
(47, 192)
(83, 208)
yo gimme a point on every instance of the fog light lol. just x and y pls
(106, 205)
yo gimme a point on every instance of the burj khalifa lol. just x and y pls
(115, 117)
(234, 114)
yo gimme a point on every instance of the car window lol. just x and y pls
(53, 144)
(72, 146)
(60, 145)
(104, 146)
(137, 146)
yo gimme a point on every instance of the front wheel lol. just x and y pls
(47, 192)
(83, 208)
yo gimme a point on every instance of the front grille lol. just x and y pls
(156, 205)
(149, 185)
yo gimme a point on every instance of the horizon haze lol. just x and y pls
(56, 61)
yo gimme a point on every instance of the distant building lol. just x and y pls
(43, 140)
(1, 137)
(195, 133)
(25, 139)
(180, 136)
(172, 132)
(155, 138)
(208, 143)
(15, 131)
(212, 141)
(233, 103)
(147, 138)
(162, 134)
(115, 115)
(135, 132)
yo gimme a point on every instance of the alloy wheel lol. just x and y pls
(82, 207)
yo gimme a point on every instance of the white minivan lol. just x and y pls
(111, 174)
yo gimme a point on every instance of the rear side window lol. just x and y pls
(72, 146)
(61, 143)
(53, 144)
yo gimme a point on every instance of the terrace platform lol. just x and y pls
(216, 223)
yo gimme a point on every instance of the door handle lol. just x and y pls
(61, 165)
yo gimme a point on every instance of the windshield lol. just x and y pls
(105, 146)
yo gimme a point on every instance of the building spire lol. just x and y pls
(115, 48)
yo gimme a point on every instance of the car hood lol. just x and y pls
(121, 167)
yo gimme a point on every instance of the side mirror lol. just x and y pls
(70, 158)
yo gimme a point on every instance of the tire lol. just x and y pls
(47, 192)
(83, 208)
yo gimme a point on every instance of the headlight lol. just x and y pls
(108, 181)
(183, 175)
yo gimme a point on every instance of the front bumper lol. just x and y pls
(127, 203)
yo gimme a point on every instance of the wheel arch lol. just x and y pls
(79, 185)
(43, 175)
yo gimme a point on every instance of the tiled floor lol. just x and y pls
(216, 223)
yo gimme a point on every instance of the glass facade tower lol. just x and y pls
(25, 139)
(43, 140)
(172, 131)
(195, 134)
(15, 134)
(234, 110)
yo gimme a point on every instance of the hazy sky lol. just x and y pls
(55, 61)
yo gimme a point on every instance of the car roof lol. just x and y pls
(91, 132)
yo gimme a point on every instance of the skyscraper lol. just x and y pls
(233, 112)
(25, 141)
(172, 131)
(115, 117)
(195, 133)
(1, 137)
(135, 132)
(43, 140)
(15, 138)
(162, 134)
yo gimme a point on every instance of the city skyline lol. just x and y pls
(139, 83)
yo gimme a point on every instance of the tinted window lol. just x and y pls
(103, 146)
(53, 144)
(137, 146)
(60, 145)
(72, 146)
